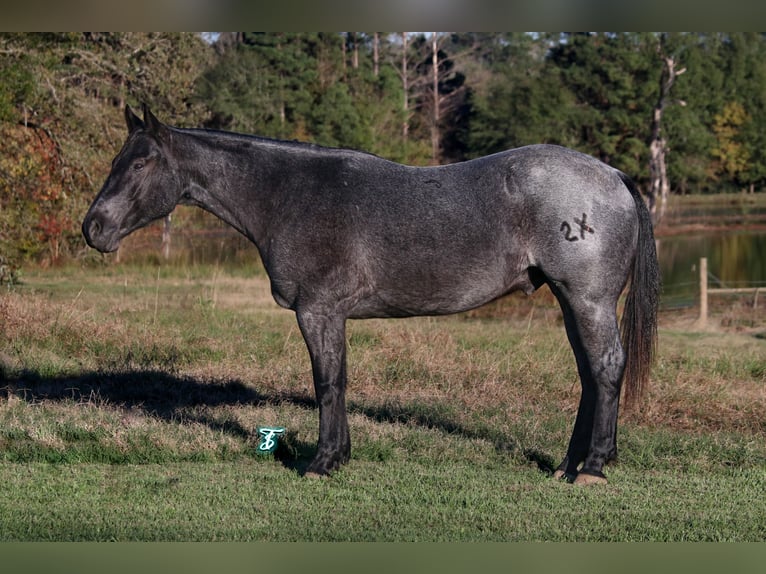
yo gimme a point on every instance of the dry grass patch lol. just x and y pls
(709, 382)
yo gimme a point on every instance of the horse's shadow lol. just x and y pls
(434, 417)
(163, 395)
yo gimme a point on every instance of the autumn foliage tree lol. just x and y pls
(32, 194)
(61, 99)
(732, 157)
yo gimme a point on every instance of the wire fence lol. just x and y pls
(682, 295)
(737, 288)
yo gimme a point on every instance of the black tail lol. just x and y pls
(639, 319)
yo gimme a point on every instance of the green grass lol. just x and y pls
(408, 501)
(130, 400)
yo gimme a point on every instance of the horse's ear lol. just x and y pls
(152, 123)
(133, 121)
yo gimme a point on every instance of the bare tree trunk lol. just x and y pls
(282, 111)
(657, 169)
(343, 48)
(375, 54)
(405, 90)
(355, 53)
(659, 184)
(435, 119)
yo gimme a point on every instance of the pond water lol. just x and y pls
(735, 259)
(731, 234)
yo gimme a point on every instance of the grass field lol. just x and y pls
(130, 398)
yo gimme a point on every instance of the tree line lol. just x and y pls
(679, 112)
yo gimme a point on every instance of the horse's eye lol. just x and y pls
(138, 166)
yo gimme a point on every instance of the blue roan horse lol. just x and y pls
(344, 234)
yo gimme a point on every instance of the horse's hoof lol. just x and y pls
(559, 475)
(319, 470)
(315, 475)
(588, 479)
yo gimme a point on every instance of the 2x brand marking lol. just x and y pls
(584, 227)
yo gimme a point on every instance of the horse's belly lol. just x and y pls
(439, 293)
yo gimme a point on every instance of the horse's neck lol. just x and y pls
(228, 175)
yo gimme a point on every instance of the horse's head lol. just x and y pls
(142, 187)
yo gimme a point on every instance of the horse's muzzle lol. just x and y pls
(97, 235)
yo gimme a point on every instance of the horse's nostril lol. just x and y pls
(92, 228)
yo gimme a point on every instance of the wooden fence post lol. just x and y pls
(703, 292)
(166, 238)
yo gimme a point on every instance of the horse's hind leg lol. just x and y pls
(592, 330)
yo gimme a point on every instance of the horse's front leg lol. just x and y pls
(325, 336)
